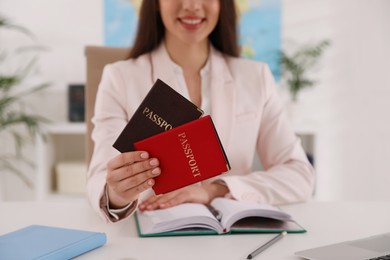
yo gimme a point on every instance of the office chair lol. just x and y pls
(97, 57)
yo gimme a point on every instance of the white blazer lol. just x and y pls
(247, 114)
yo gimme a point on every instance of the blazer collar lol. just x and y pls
(164, 68)
(221, 84)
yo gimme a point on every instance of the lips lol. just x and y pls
(191, 22)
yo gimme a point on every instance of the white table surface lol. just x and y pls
(326, 222)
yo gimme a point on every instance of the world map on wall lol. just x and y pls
(259, 27)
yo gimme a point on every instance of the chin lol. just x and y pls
(193, 40)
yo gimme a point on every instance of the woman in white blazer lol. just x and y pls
(192, 46)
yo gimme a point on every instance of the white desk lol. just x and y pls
(326, 222)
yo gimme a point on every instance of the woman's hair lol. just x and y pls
(151, 29)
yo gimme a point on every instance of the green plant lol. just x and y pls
(15, 121)
(296, 66)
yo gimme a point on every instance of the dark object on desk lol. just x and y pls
(188, 154)
(44, 242)
(162, 109)
(76, 103)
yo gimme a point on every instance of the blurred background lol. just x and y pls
(343, 117)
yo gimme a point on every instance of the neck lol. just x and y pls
(190, 57)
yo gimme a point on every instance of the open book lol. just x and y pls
(221, 217)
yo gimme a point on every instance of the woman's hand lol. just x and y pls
(128, 175)
(203, 194)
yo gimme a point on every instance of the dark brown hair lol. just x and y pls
(151, 29)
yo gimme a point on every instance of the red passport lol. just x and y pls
(188, 154)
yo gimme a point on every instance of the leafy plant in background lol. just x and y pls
(15, 121)
(296, 66)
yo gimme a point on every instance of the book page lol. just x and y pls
(188, 215)
(264, 225)
(233, 210)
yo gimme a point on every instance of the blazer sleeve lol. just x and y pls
(109, 119)
(288, 176)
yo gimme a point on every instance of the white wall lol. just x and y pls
(64, 27)
(350, 105)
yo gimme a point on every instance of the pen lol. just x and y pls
(217, 214)
(266, 245)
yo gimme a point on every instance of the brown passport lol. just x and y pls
(162, 109)
(188, 154)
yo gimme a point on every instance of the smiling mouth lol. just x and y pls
(191, 21)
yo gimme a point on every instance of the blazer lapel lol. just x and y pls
(222, 96)
(164, 68)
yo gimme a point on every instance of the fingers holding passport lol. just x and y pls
(128, 175)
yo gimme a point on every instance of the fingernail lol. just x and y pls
(151, 182)
(153, 162)
(156, 171)
(144, 155)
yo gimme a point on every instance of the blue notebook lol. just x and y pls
(44, 242)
